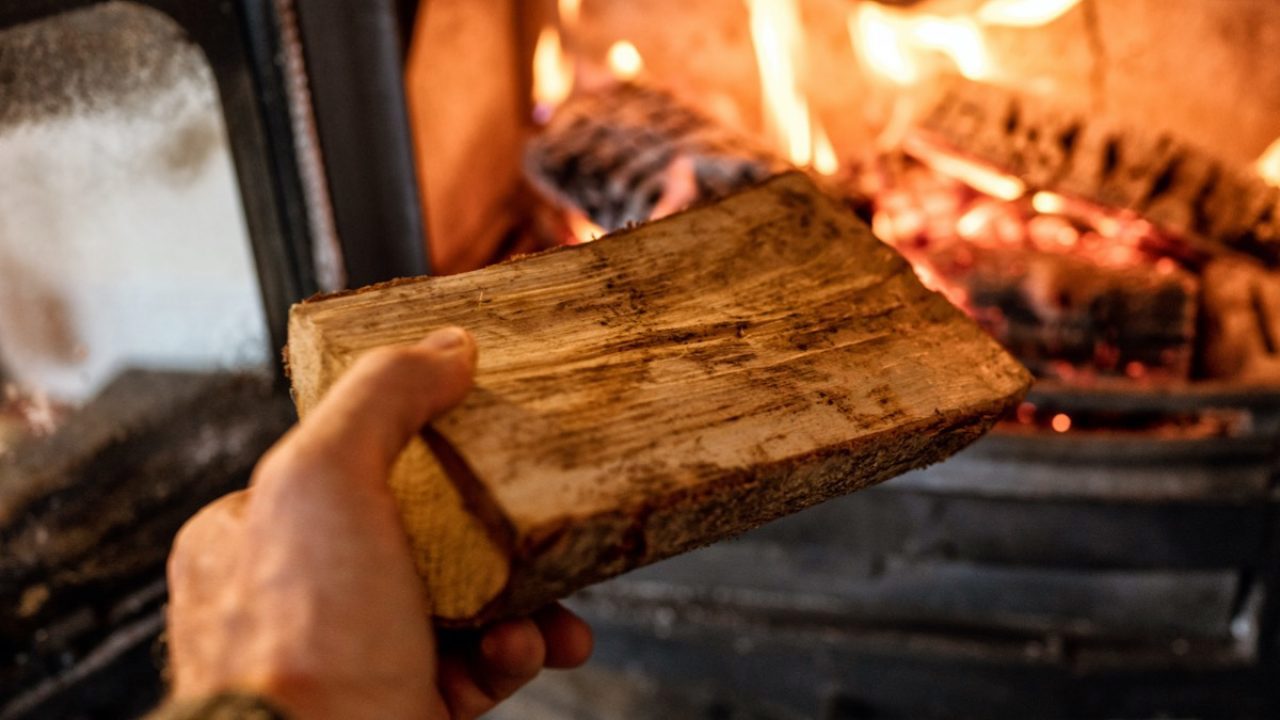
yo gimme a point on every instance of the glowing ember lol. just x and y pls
(1024, 13)
(552, 74)
(1073, 288)
(624, 60)
(1268, 165)
(1026, 413)
(977, 175)
(1049, 203)
(1061, 422)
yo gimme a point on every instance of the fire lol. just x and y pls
(1048, 203)
(570, 11)
(977, 175)
(825, 161)
(893, 43)
(582, 229)
(1268, 165)
(1024, 13)
(959, 39)
(552, 74)
(876, 38)
(777, 33)
(624, 60)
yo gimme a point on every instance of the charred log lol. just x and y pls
(618, 153)
(1214, 206)
(1060, 314)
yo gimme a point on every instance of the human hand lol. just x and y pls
(302, 588)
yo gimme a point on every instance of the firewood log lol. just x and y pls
(1216, 207)
(1054, 310)
(661, 388)
(615, 154)
(1241, 310)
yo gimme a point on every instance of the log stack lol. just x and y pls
(1218, 207)
(661, 388)
(1220, 221)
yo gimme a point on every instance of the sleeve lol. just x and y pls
(223, 706)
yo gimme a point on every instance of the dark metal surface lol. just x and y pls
(355, 66)
(1035, 575)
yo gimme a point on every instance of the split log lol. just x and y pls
(617, 153)
(662, 388)
(1217, 207)
(1051, 309)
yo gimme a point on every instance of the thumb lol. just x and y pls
(388, 395)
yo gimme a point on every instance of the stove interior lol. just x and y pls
(1053, 167)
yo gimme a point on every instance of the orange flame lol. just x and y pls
(1023, 13)
(777, 35)
(624, 60)
(877, 40)
(825, 161)
(581, 227)
(892, 42)
(552, 74)
(570, 11)
(1268, 165)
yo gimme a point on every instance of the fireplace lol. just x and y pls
(1097, 197)
(1054, 168)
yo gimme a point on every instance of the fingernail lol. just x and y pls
(449, 338)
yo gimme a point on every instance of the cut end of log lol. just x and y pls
(662, 388)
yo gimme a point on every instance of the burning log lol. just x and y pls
(1060, 314)
(662, 388)
(1215, 207)
(1241, 309)
(628, 153)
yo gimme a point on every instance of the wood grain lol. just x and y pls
(662, 388)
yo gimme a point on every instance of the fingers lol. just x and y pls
(477, 676)
(201, 570)
(387, 396)
(508, 656)
(568, 638)
(199, 557)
